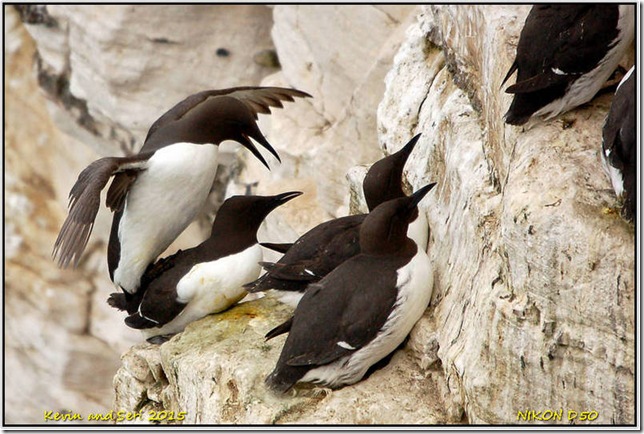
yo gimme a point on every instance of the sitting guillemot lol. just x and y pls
(157, 193)
(206, 279)
(361, 311)
(564, 56)
(619, 143)
(323, 248)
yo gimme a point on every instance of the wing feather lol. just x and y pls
(349, 305)
(84, 201)
(257, 99)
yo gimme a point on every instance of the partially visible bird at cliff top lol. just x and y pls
(157, 193)
(323, 248)
(619, 145)
(361, 311)
(205, 279)
(565, 55)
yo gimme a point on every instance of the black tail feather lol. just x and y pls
(136, 321)
(277, 247)
(280, 329)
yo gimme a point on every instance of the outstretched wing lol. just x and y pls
(258, 100)
(84, 201)
(213, 116)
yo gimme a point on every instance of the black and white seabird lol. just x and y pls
(619, 153)
(323, 248)
(361, 311)
(205, 279)
(157, 193)
(565, 54)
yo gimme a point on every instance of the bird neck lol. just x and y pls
(232, 235)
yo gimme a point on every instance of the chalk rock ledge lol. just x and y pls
(215, 370)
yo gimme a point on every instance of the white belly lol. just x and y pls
(416, 282)
(163, 201)
(292, 298)
(212, 287)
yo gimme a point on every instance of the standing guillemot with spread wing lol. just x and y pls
(361, 311)
(323, 248)
(619, 145)
(564, 56)
(157, 193)
(206, 279)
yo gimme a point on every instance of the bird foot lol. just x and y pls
(160, 339)
(321, 392)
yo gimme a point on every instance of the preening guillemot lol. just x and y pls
(157, 193)
(619, 154)
(205, 279)
(361, 311)
(566, 52)
(321, 249)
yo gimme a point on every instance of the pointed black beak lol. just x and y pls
(248, 144)
(406, 150)
(419, 195)
(285, 197)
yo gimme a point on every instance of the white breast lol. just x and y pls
(163, 201)
(615, 175)
(419, 231)
(415, 282)
(212, 287)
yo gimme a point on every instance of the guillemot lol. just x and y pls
(619, 155)
(323, 248)
(361, 311)
(564, 56)
(205, 279)
(157, 193)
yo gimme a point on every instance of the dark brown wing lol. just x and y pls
(118, 189)
(84, 201)
(298, 271)
(210, 117)
(257, 99)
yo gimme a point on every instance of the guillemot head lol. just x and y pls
(248, 212)
(213, 116)
(205, 118)
(385, 228)
(383, 181)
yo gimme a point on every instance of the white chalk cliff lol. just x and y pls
(534, 291)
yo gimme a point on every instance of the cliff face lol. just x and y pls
(534, 282)
(534, 275)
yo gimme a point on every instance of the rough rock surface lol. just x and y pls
(104, 74)
(533, 289)
(340, 55)
(53, 359)
(534, 274)
(215, 370)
